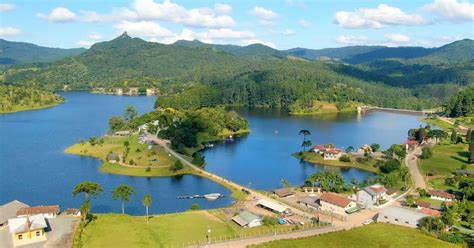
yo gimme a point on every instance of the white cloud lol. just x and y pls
(397, 38)
(288, 32)
(296, 3)
(351, 39)
(94, 36)
(143, 29)
(85, 43)
(452, 10)
(265, 16)
(7, 7)
(304, 23)
(222, 9)
(60, 15)
(383, 15)
(9, 31)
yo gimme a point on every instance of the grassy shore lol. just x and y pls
(318, 159)
(446, 159)
(374, 235)
(438, 122)
(29, 108)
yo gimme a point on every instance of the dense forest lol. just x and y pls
(461, 104)
(13, 98)
(192, 74)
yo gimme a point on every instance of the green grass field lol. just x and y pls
(374, 235)
(317, 159)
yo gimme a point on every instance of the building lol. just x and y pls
(337, 204)
(151, 92)
(309, 202)
(312, 190)
(371, 195)
(422, 204)
(467, 173)
(365, 149)
(113, 158)
(122, 133)
(392, 192)
(322, 148)
(47, 211)
(247, 219)
(73, 212)
(441, 195)
(400, 216)
(410, 144)
(430, 212)
(9, 210)
(284, 192)
(273, 206)
(28, 229)
(332, 154)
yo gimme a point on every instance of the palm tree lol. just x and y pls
(306, 143)
(89, 189)
(285, 183)
(146, 202)
(123, 192)
(305, 133)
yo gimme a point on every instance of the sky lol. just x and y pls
(280, 24)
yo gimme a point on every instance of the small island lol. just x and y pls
(17, 98)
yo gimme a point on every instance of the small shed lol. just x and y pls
(272, 206)
(113, 158)
(284, 192)
(247, 219)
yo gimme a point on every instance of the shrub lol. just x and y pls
(148, 169)
(269, 221)
(427, 152)
(345, 158)
(177, 166)
(451, 237)
(194, 206)
(390, 165)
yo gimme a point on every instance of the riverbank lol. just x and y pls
(316, 158)
(30, 108)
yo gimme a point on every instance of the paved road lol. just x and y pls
(411, 161)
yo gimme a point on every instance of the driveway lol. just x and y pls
(411, 162)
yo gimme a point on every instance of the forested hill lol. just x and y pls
(21, 52)
(461, 104)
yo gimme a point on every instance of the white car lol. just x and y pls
(367, 221)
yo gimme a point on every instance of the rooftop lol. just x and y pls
(335, 199)
(38, 210)
(284, 192)
(403, 213)
(442, 194)
(10, 209)
(272, 205)
(22, 224)
(375, 189)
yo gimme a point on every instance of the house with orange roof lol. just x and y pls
(337, 204)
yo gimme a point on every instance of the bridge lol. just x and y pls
(366, 108)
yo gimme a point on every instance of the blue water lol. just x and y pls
(262, 158)
(35, 170)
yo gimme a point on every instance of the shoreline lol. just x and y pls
(336, 163)
(32, 109)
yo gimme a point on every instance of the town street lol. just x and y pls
(411, 162)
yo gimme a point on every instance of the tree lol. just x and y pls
(409, 200)
(199, 159)
(437, 134)
(471, 152)
(426, 152)
(328, 181)
(194, 206)
(285, 183)
(305, 133)
(89, 189)
(146, 202)
(305, 144)
(124, 193)
(390, 165)
(349, 149)
(93, 140)
(115, 123)
(430, 224)
(469, 138)
(130, 113)
(375, 147)
(177, 166)
(454, 136)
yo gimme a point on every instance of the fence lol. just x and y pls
(251, 234)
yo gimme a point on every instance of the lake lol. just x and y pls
(262, 158)
(34, 169)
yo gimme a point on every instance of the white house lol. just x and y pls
(332, 154)
(371, 195)
(441, 195)
(400, 216)
(47, 211)
(247, 219)
(337, 204)
(27, 230)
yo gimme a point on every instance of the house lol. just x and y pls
(247, 219)
(73, 212)
(311, 190)
(113, 158)
(151, 92)
(322, 148)
(273, 206)
(431, 212)
(119, 91)
(441, 195)
(421, 204)
(9, 210)
(391, 192)
(467, 173)
(28, 229)
(309, 202)
(332, 154)
(337, 204)
(410, 144)
(284, 192)
(365, 149)
(400, 216)
(47, 211)
(371, 195)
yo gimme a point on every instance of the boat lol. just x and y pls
(213, 196)
(229, 139)
(209, 145)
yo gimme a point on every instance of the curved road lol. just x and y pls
(411, 161)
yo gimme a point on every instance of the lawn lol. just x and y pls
(374, 235)
(446, 159)
(116, 230)
(317, 159)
